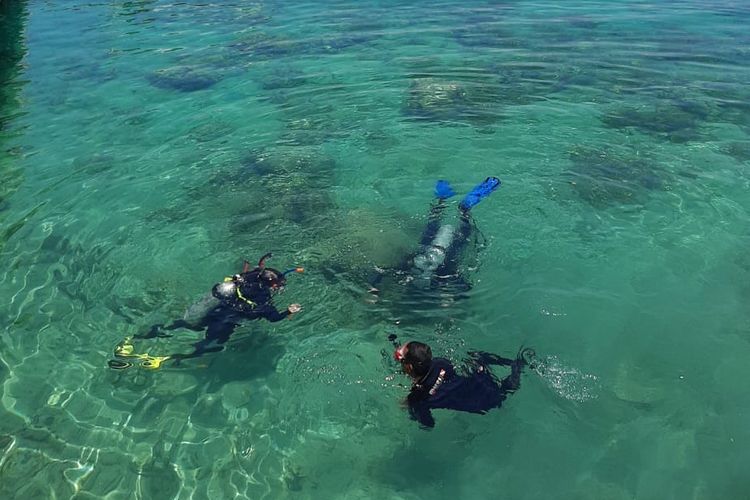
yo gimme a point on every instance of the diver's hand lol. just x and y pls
(294, 308)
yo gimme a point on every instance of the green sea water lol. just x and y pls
(148, 147)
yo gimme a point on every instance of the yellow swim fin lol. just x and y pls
(118, 364)
(125, 349)
(153, 362)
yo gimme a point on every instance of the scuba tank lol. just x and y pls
(433, 255)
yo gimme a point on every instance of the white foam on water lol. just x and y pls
(566, 381)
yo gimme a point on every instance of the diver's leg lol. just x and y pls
(488, 358)
(156, 330)
(461, 238)
(513, 381)
(443, 191)
(218, 332)
(466, 223)
(433, 222)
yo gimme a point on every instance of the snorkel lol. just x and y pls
(274, 278)
(294, 270)
(262, 266)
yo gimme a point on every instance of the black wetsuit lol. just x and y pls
(476, 392)
(253, 302)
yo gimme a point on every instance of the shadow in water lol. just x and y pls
(12, 50)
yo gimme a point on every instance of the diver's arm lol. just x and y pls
(419, 410)
(422, 414)
(273, 315)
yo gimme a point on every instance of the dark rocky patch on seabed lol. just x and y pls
(604, 177)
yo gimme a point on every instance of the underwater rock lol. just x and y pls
(380, 140)
(486, 35)
(429, 96)
(182, 79)
(283, 77)
(8, 229)
(170, 214)
(677, 120)
(732, 99)
(311, 122)
(362, 239)
(566, 76)
(287, 160)
(309, 206)
(210, 131)
(292, 183)
(603, 178)
(215, 59)
(521, 85)
(739, 150)
(289, 198)
(263, 45)
(254, 163)
(94, 71)
(340, 43)
(473, 102)
(137, 119)
(310, 131)
(93, 164)
(582, 21)
(550, 73)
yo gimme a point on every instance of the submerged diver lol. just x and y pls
(441, 243)
(243, 296)
(437, 385)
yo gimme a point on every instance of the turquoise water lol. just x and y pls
(148, 147)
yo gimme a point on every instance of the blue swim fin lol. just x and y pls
(443, 190)
(480, 192)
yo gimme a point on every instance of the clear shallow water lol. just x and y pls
(148, 147)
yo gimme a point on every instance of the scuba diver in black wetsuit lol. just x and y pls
(437, 385)
(244, 296)
(441, 244)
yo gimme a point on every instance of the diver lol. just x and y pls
(436, 262)
(244, 296)
(436, 384)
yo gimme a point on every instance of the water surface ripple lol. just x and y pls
(148, 147)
